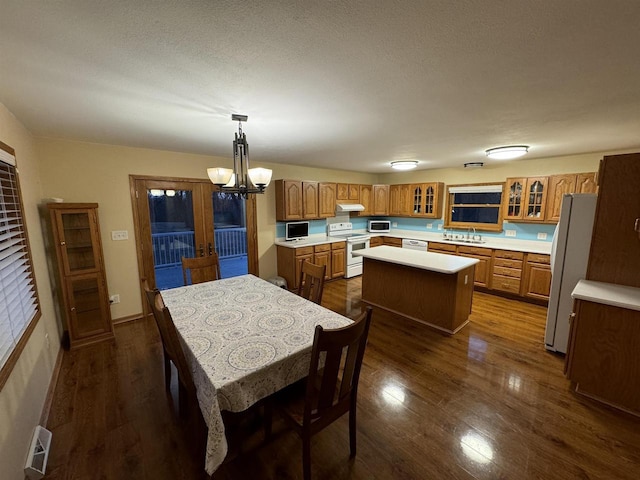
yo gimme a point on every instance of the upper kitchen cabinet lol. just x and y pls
(525, 199)
(348, 192)
(381, 200)
(327, 199)
(559, 185)
(366, 199)
(426, 199)
(400, 200)
(296, 200)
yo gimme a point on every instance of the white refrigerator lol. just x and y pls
(569, 257)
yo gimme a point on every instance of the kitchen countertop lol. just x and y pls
(529, 246)
(608, 294)
(435, 262)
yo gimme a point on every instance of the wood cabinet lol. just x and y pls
(392, 241)
(338, 259)
(322, 256)
(349, 192)
(483, 269)
(381, 200)
(603, 359)
(400, 200)
(376, 242)
(536, 280)
(525, 199)
(290, 261)
(366, 199)
(447, 248)
(615, 244)
(80, 274)
(426, 199)
(560, 185)
(326, 200)
(507, 271)
(297, 200)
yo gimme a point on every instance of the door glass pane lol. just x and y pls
(172, 234)
(77, 237)
(230, 232)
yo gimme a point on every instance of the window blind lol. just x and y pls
(18, 299)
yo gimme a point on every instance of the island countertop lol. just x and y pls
(435, 262)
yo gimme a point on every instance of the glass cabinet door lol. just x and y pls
(429, 200)
(417, 200)
(77, 241)
(535, 199)
(514, 198)
(87, 306)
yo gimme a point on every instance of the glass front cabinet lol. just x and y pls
(525, 199)
(74, 237)
(426, 200)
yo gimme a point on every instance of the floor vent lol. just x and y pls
(38, 453)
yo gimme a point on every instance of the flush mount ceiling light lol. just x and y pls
(474, 165)
(507, 153)
(404, 164)
(237, 180)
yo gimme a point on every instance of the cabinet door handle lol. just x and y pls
(637, 225)
(73, 309)
(201, 250)
(572, 316)
(63, 243)
(210, 248)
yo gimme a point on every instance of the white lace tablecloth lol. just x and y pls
(244, 339)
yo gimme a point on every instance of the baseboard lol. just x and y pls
(46, 408)
(129, 318)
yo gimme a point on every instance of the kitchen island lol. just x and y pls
(430, 288)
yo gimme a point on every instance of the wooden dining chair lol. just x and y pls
(311, 281)
(331, 391)
(172, 352)
(201, 269)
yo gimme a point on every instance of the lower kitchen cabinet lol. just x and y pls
(603, 360)
(448, 248)
(322, 257)
(338, 259)
(376, 242)
(483, 269)
(536, 281)
(507, 271)
(392, 241)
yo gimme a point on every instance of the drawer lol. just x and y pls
(375, 241)
(501, 262)
(338, 245)
(507, 272)
(445, 252)
(325, 247)
(304, 251)
(509, 254)
(481, 252)
(538, 258)
(393, 241)
(447, 247)
(506, 284)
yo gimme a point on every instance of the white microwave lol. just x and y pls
(379, 226)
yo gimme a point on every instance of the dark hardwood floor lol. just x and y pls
(487, 403)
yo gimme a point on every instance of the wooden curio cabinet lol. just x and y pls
(81, 283)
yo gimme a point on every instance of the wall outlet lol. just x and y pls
(439, 226)
(394, 224)
(542, 236)
(119, 235)
(114, 299)
(429, 226)
(509, 233)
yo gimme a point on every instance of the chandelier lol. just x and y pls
(242, 179)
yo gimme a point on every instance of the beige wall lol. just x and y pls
(500, 172)
(22, 397)
(86, 172)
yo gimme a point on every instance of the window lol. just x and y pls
(19, 307)
(477, 206)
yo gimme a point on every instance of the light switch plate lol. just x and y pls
(439, 226)
(394, 224)
(119, 235)
(509, 233)
(542, 236)
(430, 226)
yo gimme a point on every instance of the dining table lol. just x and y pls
(244, 339)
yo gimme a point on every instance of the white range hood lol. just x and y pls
(349, 207)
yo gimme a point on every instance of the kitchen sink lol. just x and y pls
(464, 240)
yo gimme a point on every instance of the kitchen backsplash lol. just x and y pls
(523, 231)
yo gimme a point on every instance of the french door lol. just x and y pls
(177, 218)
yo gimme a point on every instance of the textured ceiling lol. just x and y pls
(347, 85)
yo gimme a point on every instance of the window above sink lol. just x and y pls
(477, 206)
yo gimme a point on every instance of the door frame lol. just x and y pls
(140, 207)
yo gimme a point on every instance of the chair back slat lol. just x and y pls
(311, 281)
(331, 388)
(201, 269)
